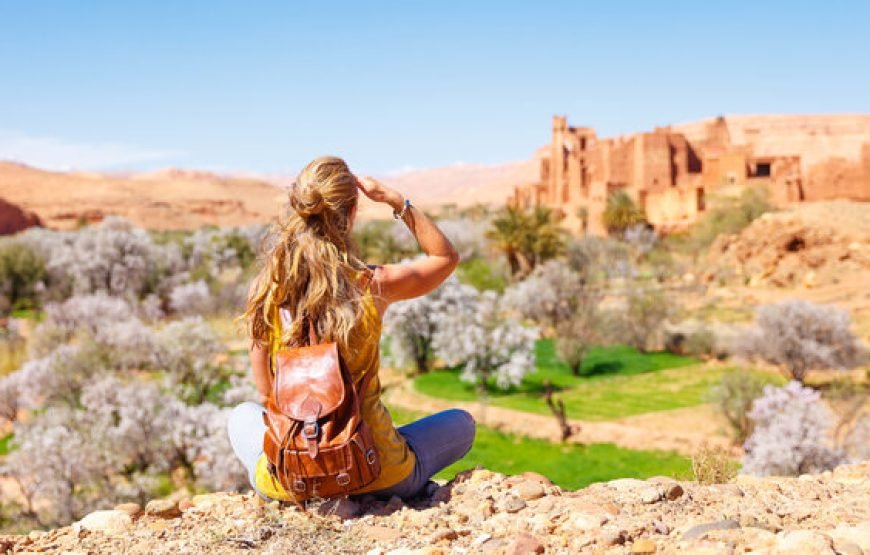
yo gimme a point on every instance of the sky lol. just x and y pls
(263, 87)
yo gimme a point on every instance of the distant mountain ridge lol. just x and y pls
(175, 198)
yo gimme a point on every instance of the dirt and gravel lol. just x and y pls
(484, 512)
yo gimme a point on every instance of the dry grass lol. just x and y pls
(714, 465)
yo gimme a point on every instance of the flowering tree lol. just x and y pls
(552, 294)
(411, 326)
(487, 342)
(800, 336)
(791, 433)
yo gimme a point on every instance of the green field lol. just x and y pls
(569, 466)
(616, 382)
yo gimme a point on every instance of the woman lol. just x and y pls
(312, 269)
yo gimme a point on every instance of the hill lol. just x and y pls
(484, 512)
(171, 199)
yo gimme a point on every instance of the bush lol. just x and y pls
(728, 216)
(551, 295)
(799, 336)
(641, 324)
(734, 396)
(483, 275)
(700, 343)
(791, 430)
(22, 274)
(384, 241)
(191, 299)
(713, 465)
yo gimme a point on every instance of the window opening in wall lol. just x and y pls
(762, 170)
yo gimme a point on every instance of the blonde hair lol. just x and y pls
(311, 267)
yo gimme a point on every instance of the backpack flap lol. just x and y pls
(309, 386)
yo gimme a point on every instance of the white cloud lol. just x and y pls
(59, 154)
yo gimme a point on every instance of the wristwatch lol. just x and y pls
(399, 214)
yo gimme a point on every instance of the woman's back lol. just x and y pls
(362, 358)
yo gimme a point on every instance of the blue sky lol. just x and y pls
(265, 86)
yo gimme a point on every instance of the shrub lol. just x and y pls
(701, 343)
(595, 258)
(575, 336)
(727, 216)
(185, 351)
(467, 235)
(552, 294)
(791, 429)
(734, 396)
(483, 275)
(799, 336)
(22, 274)
(384, 241)
(191, 299)
(645, 312)
(713, 465)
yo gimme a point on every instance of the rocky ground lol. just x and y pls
(484, 512)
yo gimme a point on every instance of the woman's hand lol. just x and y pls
(378, 192)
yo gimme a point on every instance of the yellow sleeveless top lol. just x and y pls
(397, 460)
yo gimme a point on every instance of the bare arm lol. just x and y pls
(412, 279)
(259, 358)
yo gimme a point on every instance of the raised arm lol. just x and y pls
(396, 282)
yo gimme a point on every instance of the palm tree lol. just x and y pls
(526, 238)
(621, 213)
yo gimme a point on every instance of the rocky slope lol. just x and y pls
(484, 512)
(814, 244)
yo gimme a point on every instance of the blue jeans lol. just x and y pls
(437, 441)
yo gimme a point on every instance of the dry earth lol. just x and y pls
(484, 512)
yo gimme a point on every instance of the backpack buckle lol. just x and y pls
(343, 479)
(370, 456)
(310, 430)
(298, 485)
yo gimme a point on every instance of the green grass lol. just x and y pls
(569, 466)
(5, 442)
(618, 381)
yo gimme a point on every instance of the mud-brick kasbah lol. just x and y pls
(674, 173)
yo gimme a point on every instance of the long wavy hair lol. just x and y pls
(311, 265)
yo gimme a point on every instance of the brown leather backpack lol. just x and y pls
(316, 441)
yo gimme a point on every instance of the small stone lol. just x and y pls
(643, 545)
(342, 507)
(524, 544)
(444, 534)
(132, 509)
(529, 489)
(382, 533)
(673, 492)
(612, 536)
(650, 495)
(848, 548)
(661, 527)
(162, 508)
(697, 532)
(513, 504)
(804, 541)
(587, 521)
(110, 522)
